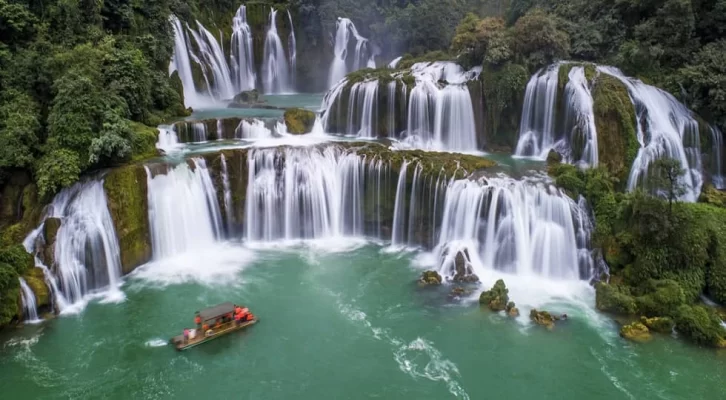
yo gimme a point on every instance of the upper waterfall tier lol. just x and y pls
(428, 106)
(347, 41)
(213, 68)
(594, 115)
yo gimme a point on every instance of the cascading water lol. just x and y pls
(666, 128)
(519, 227)
(254, 129)
(399, 211)
(718, 175)
(168, 139)
(184, 213)
(275, 69)
(440, 113)
(304, 194)
(537, 127)
(579, 120)
(212, 59)
(180, 63)
(227, 195)
(86, 254)
(243, 62)
(292, 49)
(340, 66)
(363, 98)
(30, 309)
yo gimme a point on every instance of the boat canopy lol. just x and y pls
(212, 313)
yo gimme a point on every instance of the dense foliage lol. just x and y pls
(74, 74)
(663, 255)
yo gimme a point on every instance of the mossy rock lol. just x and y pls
(662, 298)
(512, 310)
(636, 332)
(143, 142)
(248, 97)
(615, 299)
(299, 121)
(543, 318)
(616, 126)
(713, 196)
(36, 281)
(430, 278)
(658, 324)
(50, 229)
(126, 193)
(497, 298)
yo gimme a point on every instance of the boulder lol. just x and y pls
(636, 332)
(554, 157)
(429, 278)
(299, 121)
(545, 318)
(512, 310)
(658, 324)
(497, 298)
(36, 281)
(248, 97)
(50, 232)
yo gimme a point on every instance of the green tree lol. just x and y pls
(56, 170)
(538, 41)
(669, 177)
(19, 128)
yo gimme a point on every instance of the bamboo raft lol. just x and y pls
(209, 315)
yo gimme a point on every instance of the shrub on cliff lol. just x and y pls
(701, 325)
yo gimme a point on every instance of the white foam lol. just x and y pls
(156, 342)
(209, 266)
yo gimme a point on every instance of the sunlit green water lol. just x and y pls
(310, 101)
(338, 325)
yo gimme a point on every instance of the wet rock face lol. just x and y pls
(512, 310)
(50, 232)
(545, 318)
(463, 271)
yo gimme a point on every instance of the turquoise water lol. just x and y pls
(348, 324)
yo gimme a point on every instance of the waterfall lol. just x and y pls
(580, 119)
(242, 57)
(292, 49)
(168, 139)
(520, 227)
(537, 126)
(718, 176)
(392, 109)
(340, 66)
(192, 132)
(254, 129)
(86, 253)
(184, 212)
(30, 309)
(275, 69)
(181, 64)
(666, 128)
(213, 60)
(394, 63)
(413, 206)
(400, 208)
(227, 195)
(439, 112)
(304, 193)
(363, 98)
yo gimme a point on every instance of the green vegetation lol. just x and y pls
(497, 298)
(662, 254)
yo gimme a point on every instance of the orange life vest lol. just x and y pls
(198, 320)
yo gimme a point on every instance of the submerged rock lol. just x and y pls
(299, 121)
(658, 324)
(459, 292)
(512, 310)
(497, 298)
(429, 278)
(247, 97)
(636, 332)
(545, 318)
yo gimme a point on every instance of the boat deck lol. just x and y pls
(224, 329)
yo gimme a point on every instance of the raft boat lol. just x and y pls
(220, 322)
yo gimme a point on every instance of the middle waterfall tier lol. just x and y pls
(428, 107)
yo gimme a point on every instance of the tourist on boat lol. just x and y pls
(198, 320)
(238, 318)
(186, 336)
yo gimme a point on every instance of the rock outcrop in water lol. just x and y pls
(636, 332)
(430, 278)
(497, 298)
(299, 121)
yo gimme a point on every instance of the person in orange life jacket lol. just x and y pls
(198, 320)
